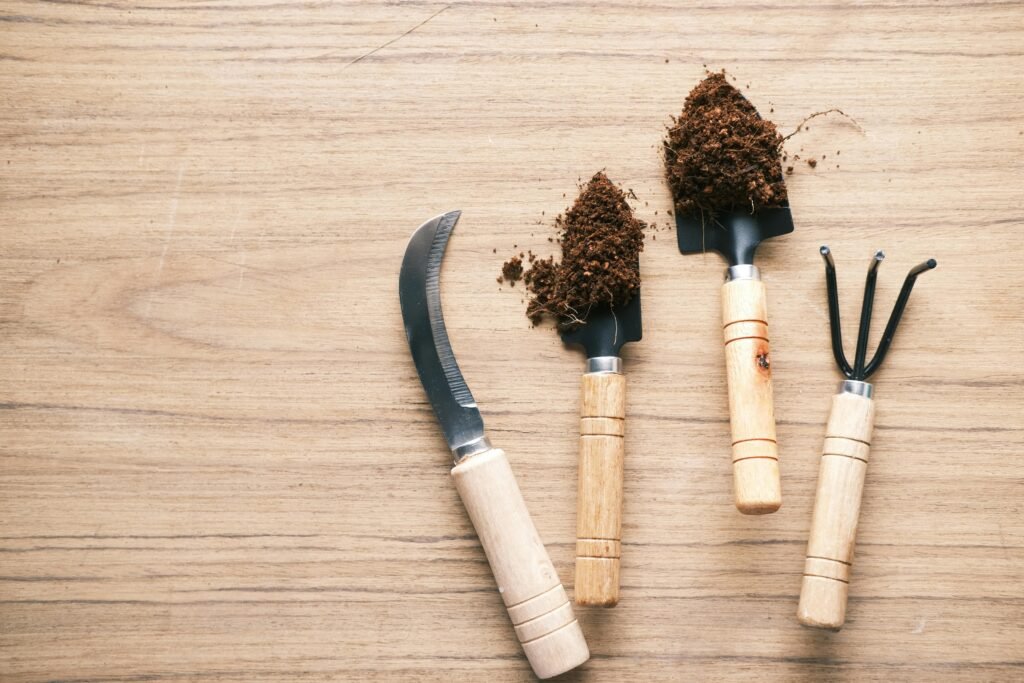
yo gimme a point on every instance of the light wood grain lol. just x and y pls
(217, 463)
(599, 491)
(757, 489)
(527, 581)
(844, 463)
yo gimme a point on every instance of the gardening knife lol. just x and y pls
(534, 597)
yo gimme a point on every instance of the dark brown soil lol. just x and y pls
(512, 270)
(601, 242)
(720, 155)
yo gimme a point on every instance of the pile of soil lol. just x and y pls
(720, 155)
(512, 270)
(601, 242)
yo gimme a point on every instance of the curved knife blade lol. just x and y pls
(419, 292)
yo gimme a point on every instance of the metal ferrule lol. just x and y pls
(470, 449)
(857, 388)
(604, 364)
(746, 271)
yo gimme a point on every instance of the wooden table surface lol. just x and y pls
(217, 462)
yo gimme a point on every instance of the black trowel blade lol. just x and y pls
(606, 329)
(735, 235)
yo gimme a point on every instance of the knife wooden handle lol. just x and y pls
(599, 495)
(755, 451)
(844, 462)
(538, 605)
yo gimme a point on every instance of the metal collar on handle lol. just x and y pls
(464, 451)
(744, 271)
(604, 364)
(856, 387)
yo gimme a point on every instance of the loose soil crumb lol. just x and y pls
(720, 155)
(601, 242)
(512, 270)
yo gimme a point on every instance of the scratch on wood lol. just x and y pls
(241, 265)
(395, 40)
(171, 219)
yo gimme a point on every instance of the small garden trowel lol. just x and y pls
(755, 452)
(602, 431)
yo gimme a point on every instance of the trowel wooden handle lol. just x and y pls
(538, 605)
(844, 461)
(599, 496)
(755, 452)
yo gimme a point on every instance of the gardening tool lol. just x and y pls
(844, 459)
(602, 432)
(755, 452)
(534, 597)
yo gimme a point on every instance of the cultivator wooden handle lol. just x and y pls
(599, 496)
(755, 451)
(844, 462)
(534, 597)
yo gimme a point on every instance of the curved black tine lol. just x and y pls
(833, 313)
(897, 313)
(865, 316)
